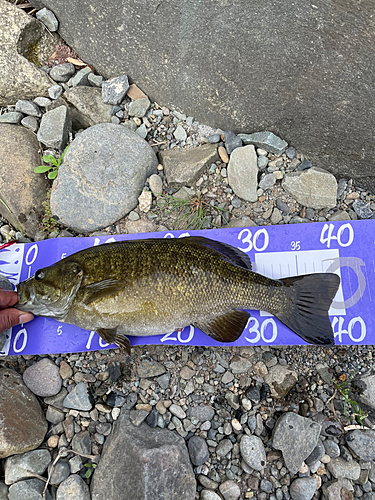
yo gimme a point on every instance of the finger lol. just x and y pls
(13, 317)
(8, 298)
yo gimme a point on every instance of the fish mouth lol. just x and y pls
(26, 296)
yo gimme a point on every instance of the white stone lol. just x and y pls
(156, 184)
(180, 133)
(243, 173)
(145, 201)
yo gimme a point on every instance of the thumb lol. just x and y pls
(12, 317)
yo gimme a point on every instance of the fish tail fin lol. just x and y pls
(307, 316)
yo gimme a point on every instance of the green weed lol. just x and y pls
(53, 165)
(90, 469)
(344, 389)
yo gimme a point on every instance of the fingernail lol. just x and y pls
(25, 318)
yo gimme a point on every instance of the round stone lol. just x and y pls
(253, 453)
(43, 378)
(61, 471)
(230, 490)
(303, 488)
(198, 450)
(73, 487)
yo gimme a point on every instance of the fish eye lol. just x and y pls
(39, 275)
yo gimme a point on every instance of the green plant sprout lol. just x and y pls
(13, 218)
(90, 469)
(51, 169)
(358, 414)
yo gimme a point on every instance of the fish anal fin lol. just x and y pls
(308, 316)
(225, 328)
(110, 336)
(123, 343)
(101, 289)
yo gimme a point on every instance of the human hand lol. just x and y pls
(10, 316)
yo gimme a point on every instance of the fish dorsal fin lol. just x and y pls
(101, 289)
(232, 254)
(225, 328)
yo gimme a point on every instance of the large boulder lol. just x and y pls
(297, 69)
(145, 464)
(21, 189)
(22, 422)
(101, 177)
(25, 44)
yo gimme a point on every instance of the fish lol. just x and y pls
(157, 285)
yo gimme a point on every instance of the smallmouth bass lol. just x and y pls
(153, 286)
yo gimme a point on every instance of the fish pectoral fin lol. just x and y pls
(111, 336)
(101, 289)
(225, 328)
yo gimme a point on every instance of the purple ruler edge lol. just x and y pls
(346, 248)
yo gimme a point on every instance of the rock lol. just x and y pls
(78, 398)
(54, 128)
(48, 18)
(145, 201)
(224, 447)
(55, 92)
(24, 45)
(313, 188)
(303, 488)
(253, 453)
(281, 380)
(21, 189)
(150, 368)
(22, 466)
(28, 108)
(58, 400)
(362, 444)
(223, 154)
(339, 467)
(3, 491)
(317, 454)
(267, 181)
(137, 417)
(80, 78)
(139, 107)
(13, 117)
(140, 226)
(62, 72)
(340, 215)
(81, 443)
(54, 415)
(202, 413)
(230, 490)
(95, 80)
(209, 495)
(86, 107)
(180, 133)
(183, 168)
(296, 437)
(65, 370)
(114, 90)
(198, 450)
(240, 365)
(84, 195)
(144, 463)
(232, 142)
(135, 92)
(43, 378)
(241, 222)
(73, 487)
(276, 216)
(22, 422)
(243, 173)
(31, 489)
(61, 471)
(361, 208)
(365, 390)
(156, 184)
(338, 489)
(331, 448)
(177, 411)
(265, 140)
(30, 122)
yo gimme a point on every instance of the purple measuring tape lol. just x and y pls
(345, 248)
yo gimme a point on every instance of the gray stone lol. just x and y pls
(303, 488)
(13, 117)
(55, 91)
(180, 134)
(240, 365)
(54, 128)
(224, 447)
(144, 463)
(232, 141)
(62, 72)
(362, 444)
(262, 161)
(253, 453)
(202, 413)
(22, 466)
(114, 90)
(265, 140)
(209, 495)
(43, 378)
(80, 78)
(86, 107)
(296, 437)
(177, 411)
(78, 398)
(75, 464)
(58, 400)
(101, 176)
(314, 188)
(198, 450)
(214, 138)
(317, 454)
(21, 189)
(291, 153)
(30, 122)
(150, 368)
(139, 107)
(267, 181)
(95, 80)
(230, 490)
(340, 215)
(42, 102)
(183, 168)
(3, 491)
(48, 18)
(156, 184)
(61, 471)
(361, 208)
(243, 173)
(81, 443)
(24, 45)
(276, 216)
(331, 448)
(366, 390)
(266, 486)
(54, 415)
(281, 380)
(137, 417)
(142, 131)
(73, 487)
(31, 489)
(339, 467)
(28, 108)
